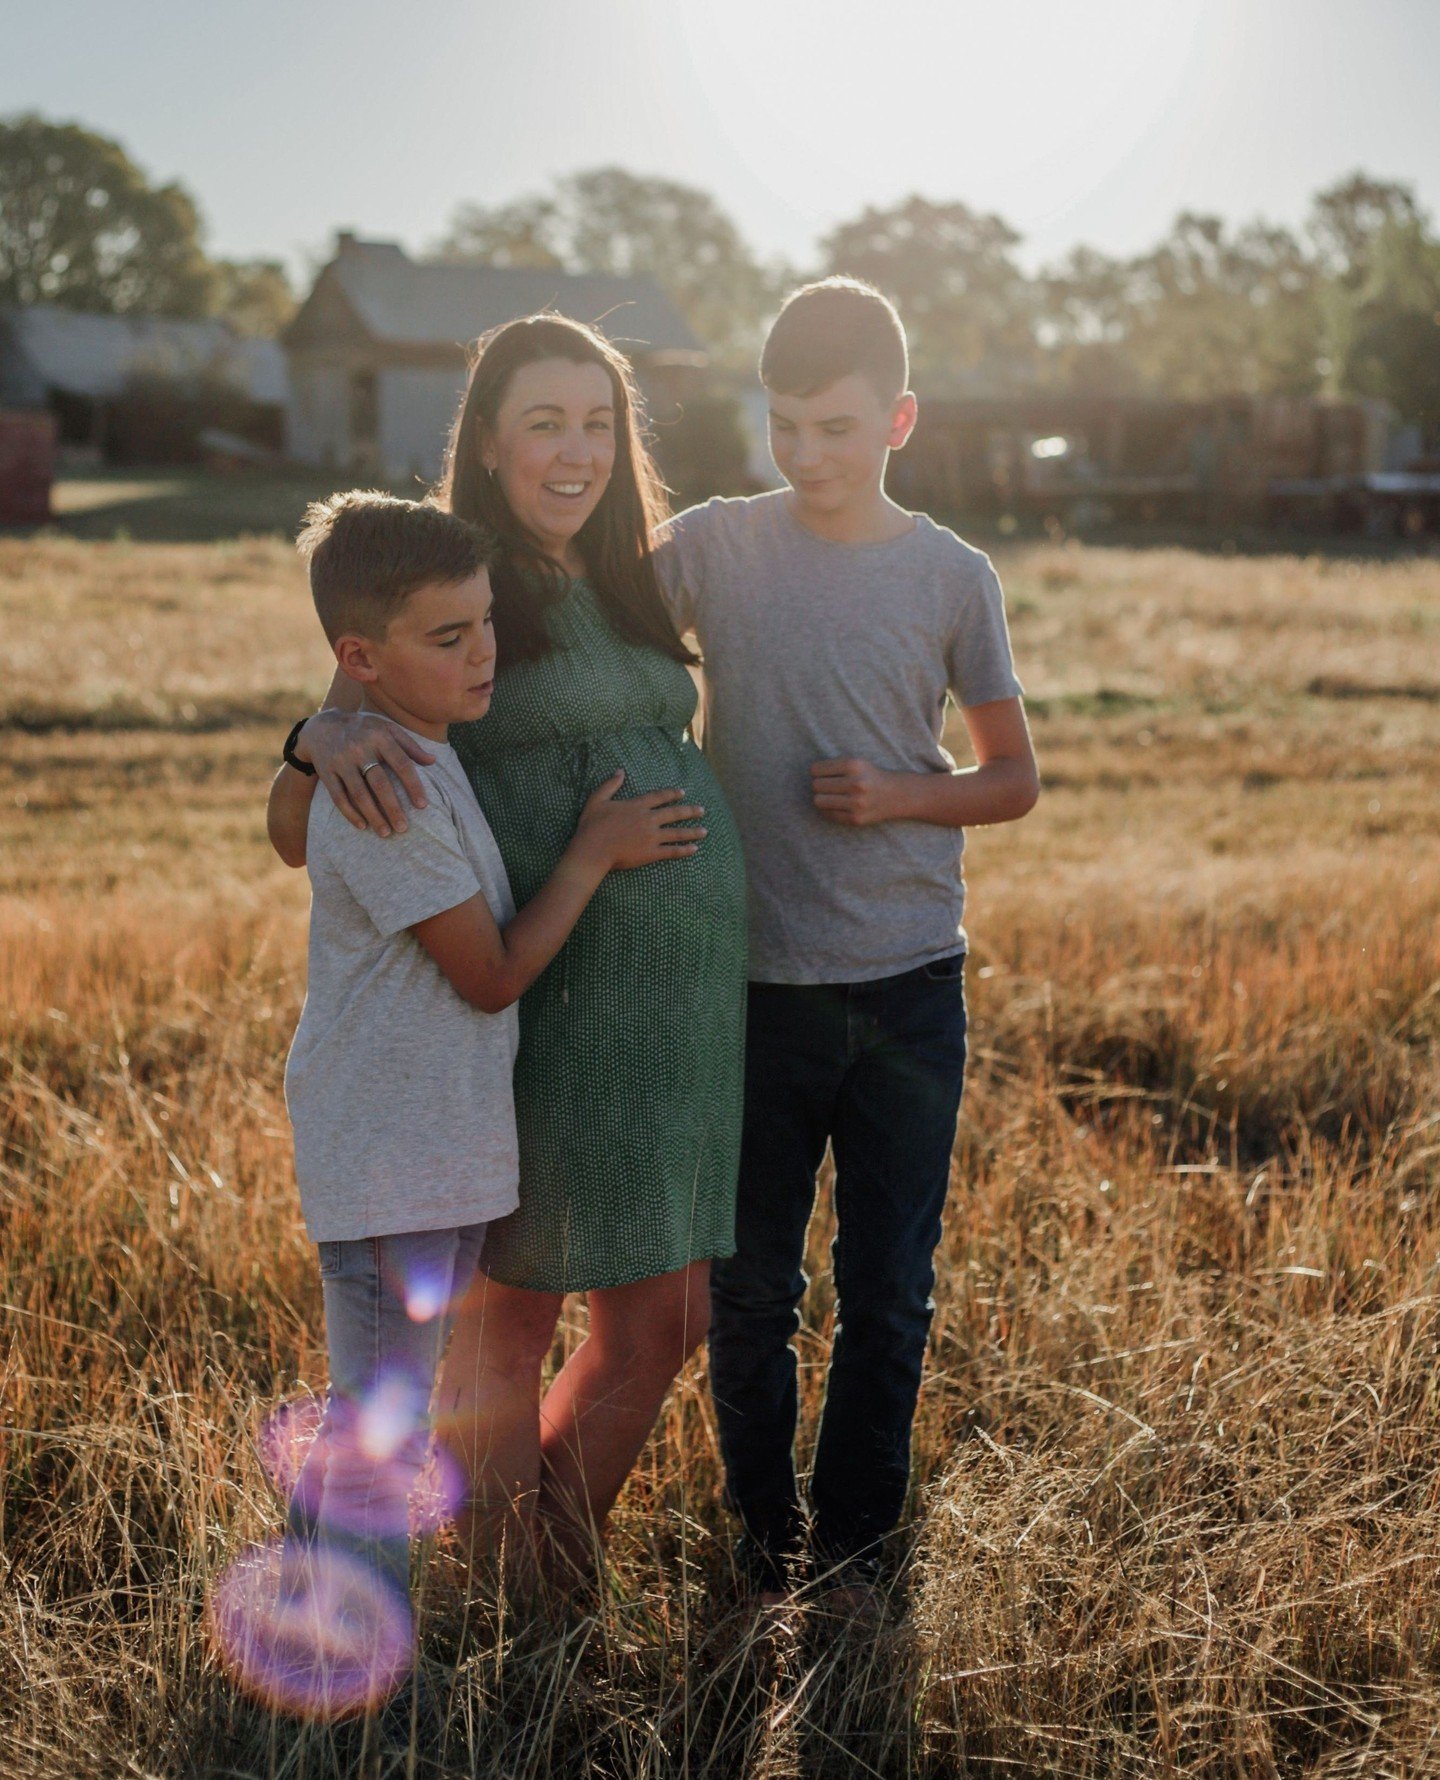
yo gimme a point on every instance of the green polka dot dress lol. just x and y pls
(629, 1078)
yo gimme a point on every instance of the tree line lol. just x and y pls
(1348, 304)
(82, 226)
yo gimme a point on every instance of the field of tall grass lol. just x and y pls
(1177, 1492)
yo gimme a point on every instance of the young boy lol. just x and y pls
(833, 623)
(399, 1081)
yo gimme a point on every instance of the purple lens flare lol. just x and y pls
(389, 1419)
(284, 1441)
(425, 1284)
(426, 1293)
(379, 1436)
(439, 1493)
(334, 1643)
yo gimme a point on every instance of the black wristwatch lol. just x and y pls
(288, 754)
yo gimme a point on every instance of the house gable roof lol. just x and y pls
(405, 302)
(81, 354)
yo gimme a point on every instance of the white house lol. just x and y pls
(378, 351)
(82, 366)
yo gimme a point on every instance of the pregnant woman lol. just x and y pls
(628, 1082)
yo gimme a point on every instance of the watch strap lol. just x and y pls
(288, 755)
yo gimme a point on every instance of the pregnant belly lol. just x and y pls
(533, 801)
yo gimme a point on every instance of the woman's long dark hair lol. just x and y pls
(614, 540)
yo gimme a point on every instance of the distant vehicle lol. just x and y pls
(1380, 504)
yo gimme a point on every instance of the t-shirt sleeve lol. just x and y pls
(678, 566)
(978, 664)
(407, 877)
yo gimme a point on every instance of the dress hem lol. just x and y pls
(589, 1283)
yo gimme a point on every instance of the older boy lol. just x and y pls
(833, 623)
(399, 1081)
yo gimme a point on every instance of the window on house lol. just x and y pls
(364, 413)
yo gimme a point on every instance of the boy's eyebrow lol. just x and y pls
(827, 420)
(454, 624)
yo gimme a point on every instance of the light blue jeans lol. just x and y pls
(388, 1302)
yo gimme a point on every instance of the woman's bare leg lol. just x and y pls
(488, 1413)
(600, 1409)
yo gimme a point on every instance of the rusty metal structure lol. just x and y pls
(27, 465)
(1095, 458)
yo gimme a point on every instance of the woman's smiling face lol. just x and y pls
(552, 450)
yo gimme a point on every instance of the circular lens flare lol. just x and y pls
(287, 1439)
(389, 1419)
(336, 1643)
(426, 1298)
(439, 1492)
(424, 1284)
(284, 1441)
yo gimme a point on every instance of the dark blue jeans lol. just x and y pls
(876, 1070)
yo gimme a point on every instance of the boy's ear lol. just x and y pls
(902, 420)
(356, 656)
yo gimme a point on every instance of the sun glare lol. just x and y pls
(1025, 110)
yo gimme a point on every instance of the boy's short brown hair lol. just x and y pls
(367, 552)
(829, 329)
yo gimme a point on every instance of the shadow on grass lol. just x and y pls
(189, 506)
(183, 506)
(997, 532)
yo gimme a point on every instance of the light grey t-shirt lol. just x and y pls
(400, 1091)
(822, 651)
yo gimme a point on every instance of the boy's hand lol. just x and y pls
(852, 792)
(639, 831)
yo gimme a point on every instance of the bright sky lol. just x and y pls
(1076, 120)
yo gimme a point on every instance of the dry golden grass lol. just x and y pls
(1177, 1494)
(133, 635)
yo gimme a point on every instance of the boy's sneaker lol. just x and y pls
(773, 1589)
(853, 1590)
(768, 1573)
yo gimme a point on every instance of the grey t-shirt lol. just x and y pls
(821, 651)
(400, 1091)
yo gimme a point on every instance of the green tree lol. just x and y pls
(254, 296)
(1085, 310)
(608, 220)
(1216, 311)
(1384, 332)
(527, 232)
(1381, 297)
(620, 222)
(1207, 312)
(967, 306)
(1349, 218)
(80, 225)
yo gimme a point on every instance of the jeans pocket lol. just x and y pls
(330, 1258)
